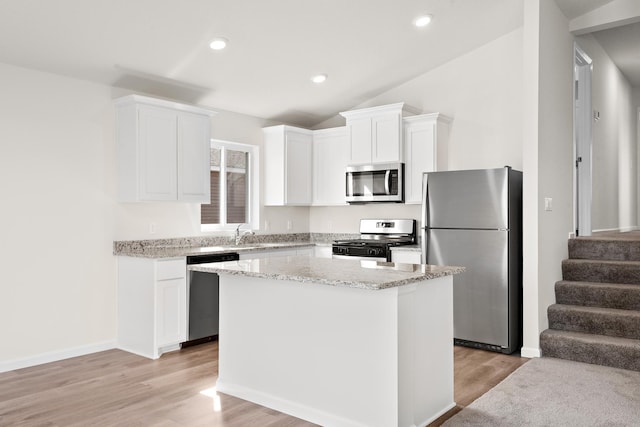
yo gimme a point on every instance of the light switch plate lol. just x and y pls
(548, 204)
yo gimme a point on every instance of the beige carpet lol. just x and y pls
(555, 392)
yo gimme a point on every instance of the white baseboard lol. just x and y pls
(54, 356)
(530, 352)
(619, 230)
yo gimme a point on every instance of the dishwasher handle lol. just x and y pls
(204, 259)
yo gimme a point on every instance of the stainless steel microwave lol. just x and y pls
(381, 182)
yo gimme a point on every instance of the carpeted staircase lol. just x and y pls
(596, 318)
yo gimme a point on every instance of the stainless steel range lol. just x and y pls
(377, 237)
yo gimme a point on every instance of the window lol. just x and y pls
(233, 187)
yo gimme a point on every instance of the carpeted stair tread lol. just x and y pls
(589, 348)
(596, 320)
(604, 248)
(597, 294)
(579, 270)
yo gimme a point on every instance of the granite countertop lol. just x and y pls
(372, 275)
(180, 251)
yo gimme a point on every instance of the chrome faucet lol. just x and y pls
(240, 236)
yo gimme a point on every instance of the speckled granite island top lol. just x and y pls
(372, 275)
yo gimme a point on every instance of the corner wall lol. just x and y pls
(548, 153)
(58, 294)
(60, 214)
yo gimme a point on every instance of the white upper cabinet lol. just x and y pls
(288, 153)
(330, 160)
(375, 134)
(425, 146)
(163, 150)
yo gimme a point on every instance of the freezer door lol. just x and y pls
(476, 199)
(481, 293)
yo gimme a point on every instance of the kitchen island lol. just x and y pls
(337, 342)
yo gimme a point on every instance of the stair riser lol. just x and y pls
(613, 325)
(627, 298)
(624, 357)
(615, 250)
(600, 272)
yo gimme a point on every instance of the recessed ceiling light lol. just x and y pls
(218, 43)
(319, 78)
(422, 21)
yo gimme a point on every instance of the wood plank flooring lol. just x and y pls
(115, 388)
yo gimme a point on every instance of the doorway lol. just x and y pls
(583, 67)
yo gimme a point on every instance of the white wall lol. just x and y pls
(60, 215)
(614, 146)
(482, 92)
(57, 184)
(555, 151)
(548, 151)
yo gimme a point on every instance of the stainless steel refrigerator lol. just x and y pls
(473, 218)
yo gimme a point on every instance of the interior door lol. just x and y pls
(481, 292)
(582, 141)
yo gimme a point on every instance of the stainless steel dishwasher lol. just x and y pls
(202, 294)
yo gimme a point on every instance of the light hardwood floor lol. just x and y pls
(115, 388)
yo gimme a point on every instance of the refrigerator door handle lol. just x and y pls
(425, 200)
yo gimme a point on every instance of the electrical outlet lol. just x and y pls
(267, 225)
(152, 228)
(548, 204)
(289, 225)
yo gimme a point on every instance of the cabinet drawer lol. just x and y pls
(171, 269)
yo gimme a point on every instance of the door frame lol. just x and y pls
(582, 141)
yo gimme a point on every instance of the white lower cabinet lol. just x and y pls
(152, 305)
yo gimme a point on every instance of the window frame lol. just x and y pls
(253, 206)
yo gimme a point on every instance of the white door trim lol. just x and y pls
(583, 67)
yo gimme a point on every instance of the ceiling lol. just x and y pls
(620, 43)
(574, 8)
(160, 47)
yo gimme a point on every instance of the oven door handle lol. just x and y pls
(387, 182)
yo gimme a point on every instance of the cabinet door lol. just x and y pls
(330, 160)
(299, 169)
(386, 141)
(360, 140)
(157, 144)
(194, 158)
(420, 149)
(171, 319)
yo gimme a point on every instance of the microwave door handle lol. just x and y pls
(387, 182)
(349, 184)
